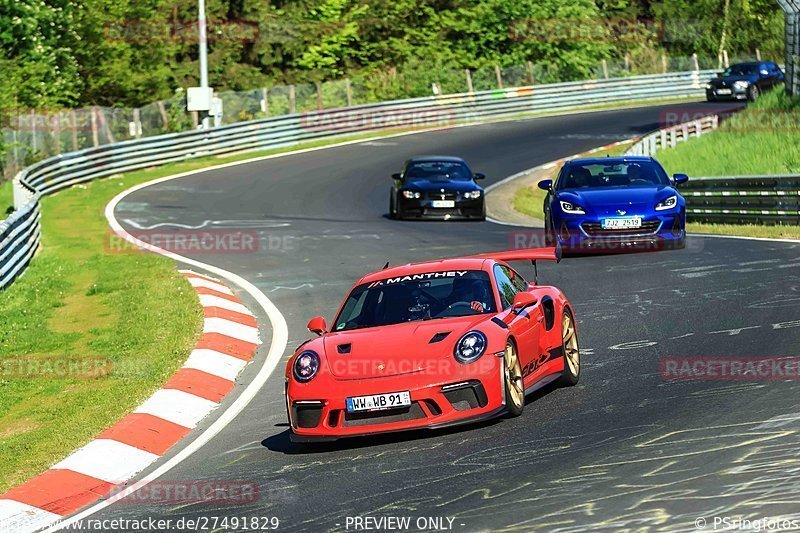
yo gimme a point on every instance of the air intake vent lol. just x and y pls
(343, 348)
(439, 337)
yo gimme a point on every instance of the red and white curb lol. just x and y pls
(228, 343)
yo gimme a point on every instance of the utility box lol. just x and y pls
(199, 98)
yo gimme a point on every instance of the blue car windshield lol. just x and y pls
(612, 174)
(740, 70)
(442, 170)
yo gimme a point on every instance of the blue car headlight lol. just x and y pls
(412, 195)
(572, 209)
(741, 85)
(472, 195)
(470, 347)
(668, 203)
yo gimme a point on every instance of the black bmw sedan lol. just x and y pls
(437, 187)
(744, 81)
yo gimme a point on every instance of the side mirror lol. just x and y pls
(680, 178)
(318, 325)
(397, 176)
(522, 301)
(719, 74)
(546, 185)
(479, 176)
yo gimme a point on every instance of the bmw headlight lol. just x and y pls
(741, 84)
(306, 366)
(572, 209)
(411, 195)
(472, 195)
(470, 347)
(709, 86)
(669, 203)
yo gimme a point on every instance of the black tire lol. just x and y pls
(392, 205)
(512, 369)
(710, 98)
(572, 366)
(753, 93)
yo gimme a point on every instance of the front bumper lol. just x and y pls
(462, 209)
(735, 94)
(318, 412)
(585, 234)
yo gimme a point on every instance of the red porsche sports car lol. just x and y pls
(431, 345)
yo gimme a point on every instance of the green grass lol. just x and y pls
(745, 230)
(736, 149)
(6, 198)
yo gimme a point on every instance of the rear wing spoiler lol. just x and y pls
(527, 254)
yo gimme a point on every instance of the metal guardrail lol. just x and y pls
(21, 232)
(727, 199)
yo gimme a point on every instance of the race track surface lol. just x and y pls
(624, 449)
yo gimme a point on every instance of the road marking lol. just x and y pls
(200, 282)
(177, 406)
(16, 516)
(209, 300)
(215, 363)
(107, 460)
(231, 329)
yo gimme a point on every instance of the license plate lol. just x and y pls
(622, 223)
(723, 91)
(377, 402)
(444, 204)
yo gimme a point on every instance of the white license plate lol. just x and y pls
(377, 402)
(444, 204)
(622, 223)
(723, 91)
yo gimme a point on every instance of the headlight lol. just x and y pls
(669, 203)
(412, 195)
(306, 366)
(709, 86)
(741, 84)
(472, 195)
(470, 347)
(572, 209)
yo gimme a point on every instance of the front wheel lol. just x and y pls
(514, 386)
(392, 205)
(572, 354)
(753, 93)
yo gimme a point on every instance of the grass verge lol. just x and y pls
(762, 139)
(6, 199)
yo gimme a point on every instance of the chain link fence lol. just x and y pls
(30, 136)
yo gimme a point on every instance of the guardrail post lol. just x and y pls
(349, 92)
(499, 76)
(685, 132)
(698, 127)
(605, 69)
(663, 139)
(653, 147)
(673, 137)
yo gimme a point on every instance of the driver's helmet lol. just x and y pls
(469, 290)
(634, 172)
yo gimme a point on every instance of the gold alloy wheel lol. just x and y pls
(514, 384)
(570, 340)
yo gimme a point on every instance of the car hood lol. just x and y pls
(436, 185)
(730, 80)
(397, 349)
(610, 200)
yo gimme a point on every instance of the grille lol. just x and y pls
(442, 196)
(595, 229)
(413, 412)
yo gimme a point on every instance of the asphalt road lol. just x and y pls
(624, 449)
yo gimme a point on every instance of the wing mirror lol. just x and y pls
(479, 176)
(680, 178)
(397, 176)
(522, 301)
(546, 185)
(318, 325)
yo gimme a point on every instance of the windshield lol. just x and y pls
(741, 70)
(612, 174)
(417, 297)
(443, 170)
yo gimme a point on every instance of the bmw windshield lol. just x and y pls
(417, 297)
(441, 170)
(740, 70)
(612, 174)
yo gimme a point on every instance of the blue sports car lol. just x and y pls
(614, 203)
